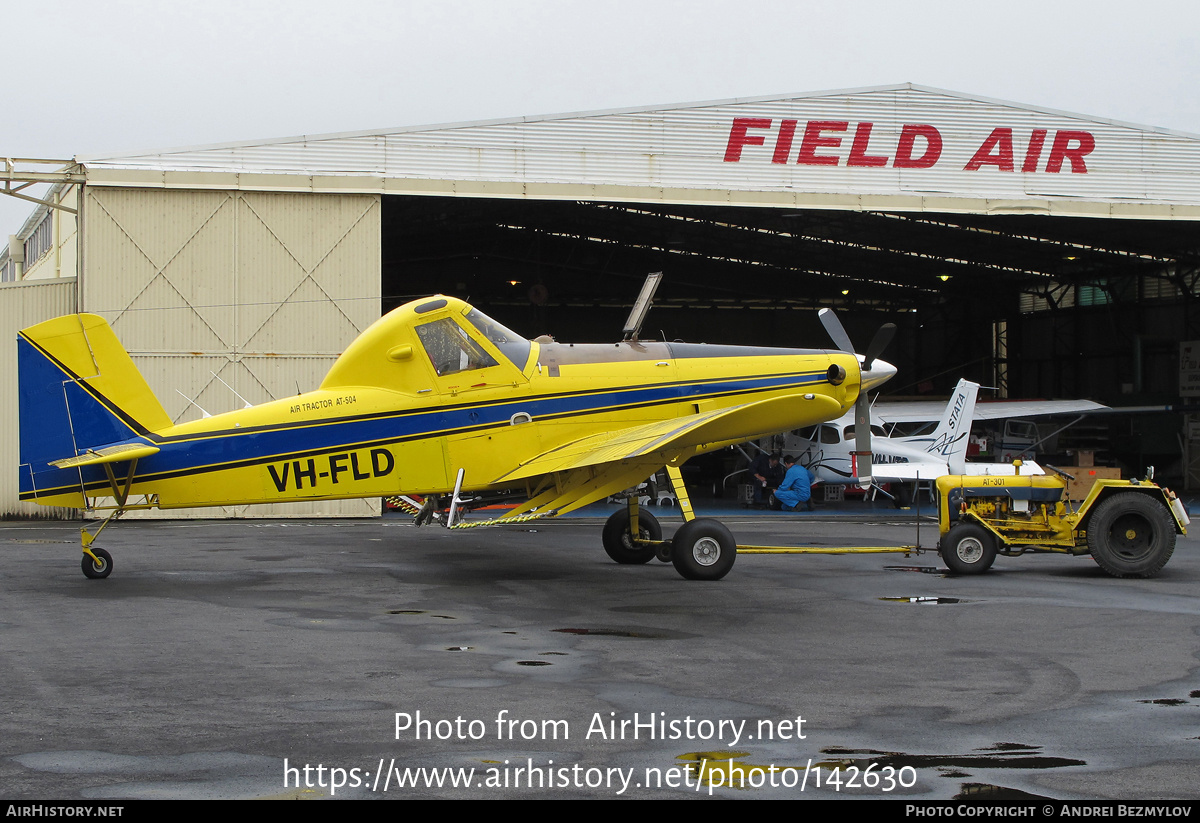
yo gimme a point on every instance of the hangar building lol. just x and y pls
(1043, 252)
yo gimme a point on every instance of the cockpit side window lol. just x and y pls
(876, 431)
(511, 345)
(451, 349)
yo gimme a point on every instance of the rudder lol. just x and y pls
(78, 390)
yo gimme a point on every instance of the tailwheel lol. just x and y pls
(99, 567)
(703, 549)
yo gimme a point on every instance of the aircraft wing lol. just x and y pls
(648, 443)
(921, 411)
(904, 472)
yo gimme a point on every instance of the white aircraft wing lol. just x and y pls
(923, 411)
(925, 471)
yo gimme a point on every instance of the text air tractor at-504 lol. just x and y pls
(434, 398)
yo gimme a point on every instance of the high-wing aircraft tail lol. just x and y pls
(80, 396)
(950, 438)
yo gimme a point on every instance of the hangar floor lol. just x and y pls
(219, 652)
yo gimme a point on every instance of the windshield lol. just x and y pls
(511, 345)
(450, 349)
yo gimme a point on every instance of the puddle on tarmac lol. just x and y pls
(930, 601)
(607, 632)
(999, 756)
(921, 569)
(986, 791)
(721, 768)
(421, 611)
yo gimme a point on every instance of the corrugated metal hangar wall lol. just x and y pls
(221, 296)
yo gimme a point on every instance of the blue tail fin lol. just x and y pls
(78, 391)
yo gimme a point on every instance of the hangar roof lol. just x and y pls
(900, 148)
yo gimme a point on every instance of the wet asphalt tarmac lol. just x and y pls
(221, 659)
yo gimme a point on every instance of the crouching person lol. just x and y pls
(796, 489)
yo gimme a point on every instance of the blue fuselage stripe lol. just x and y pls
(212, 451)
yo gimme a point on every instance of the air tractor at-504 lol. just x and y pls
(1127, 526)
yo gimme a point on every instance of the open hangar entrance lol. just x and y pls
(1034, 305)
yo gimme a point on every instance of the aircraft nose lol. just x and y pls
(881, 371)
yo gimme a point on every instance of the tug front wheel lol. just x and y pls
(703, 550)
(968, 549)
(99, 568)
(618, 539)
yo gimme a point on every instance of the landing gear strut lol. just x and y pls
(702, 549)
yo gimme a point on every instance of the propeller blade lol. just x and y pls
(862, 440)
(878, 343)
(836, 331)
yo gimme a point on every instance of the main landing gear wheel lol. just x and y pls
(99, 568)
(968, 549)
(703, 550)
(618, 539)
(1131, 535)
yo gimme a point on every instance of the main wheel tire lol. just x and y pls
(703, 550)
(99, 568)
(1131, 534)
(618, 539)
(968, 549)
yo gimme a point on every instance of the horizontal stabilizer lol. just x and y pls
(111, 454)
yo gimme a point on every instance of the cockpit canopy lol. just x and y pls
(447, 333)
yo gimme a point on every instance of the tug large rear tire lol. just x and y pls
(1131, 534)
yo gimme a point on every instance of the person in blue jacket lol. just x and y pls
(796, 487)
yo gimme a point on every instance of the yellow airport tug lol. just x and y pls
(1127, 526)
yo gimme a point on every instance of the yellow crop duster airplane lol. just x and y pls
(434, 398)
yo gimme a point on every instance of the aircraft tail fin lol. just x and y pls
(953, 433)
(78, 391)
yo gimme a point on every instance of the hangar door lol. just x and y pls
(229, 297)
(23, 304)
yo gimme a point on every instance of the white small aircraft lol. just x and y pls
(829, 449)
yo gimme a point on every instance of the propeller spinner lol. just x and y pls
(874, 373)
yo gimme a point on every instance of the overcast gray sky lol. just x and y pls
(121, 75)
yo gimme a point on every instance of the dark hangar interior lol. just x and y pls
(1038, 306)
(1092, 308)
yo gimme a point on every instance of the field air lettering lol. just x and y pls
(919, 146)
(336, 468)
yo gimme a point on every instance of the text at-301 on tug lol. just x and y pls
(433, 399)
